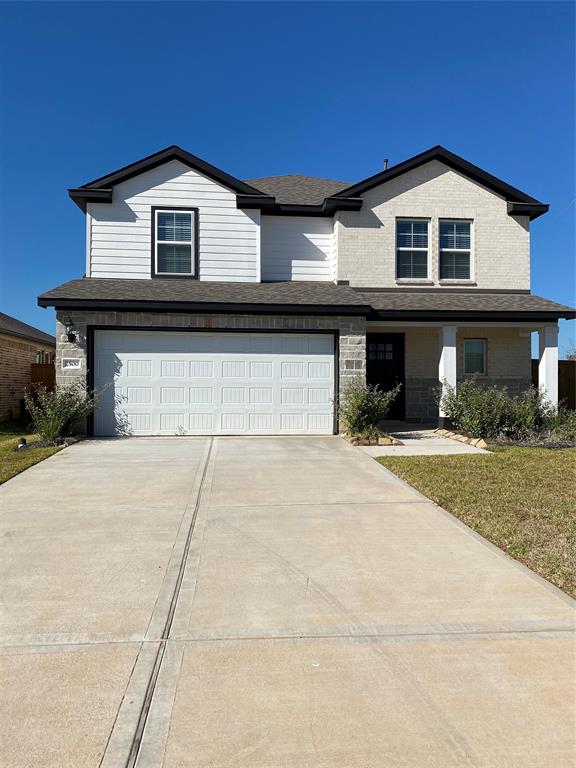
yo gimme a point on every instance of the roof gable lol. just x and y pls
(295, 194)
(518, 202)
(100, 190)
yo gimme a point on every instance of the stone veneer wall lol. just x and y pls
(352, 333)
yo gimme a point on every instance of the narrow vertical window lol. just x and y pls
(475, 357)
(174, 242)
(411, 248)
(455, 244)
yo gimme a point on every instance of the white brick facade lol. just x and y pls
(366, 239)
(508, 362)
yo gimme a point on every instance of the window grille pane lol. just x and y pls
(411, 234)
(474, 357)
(412, 264)
(175, 259)
(455, 234)
(174, 226)
(455, 265)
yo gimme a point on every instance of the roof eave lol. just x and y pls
(269, 207)
(532, 210)
(494, 316)
(83, 196)
(50, 341)
(200, 307)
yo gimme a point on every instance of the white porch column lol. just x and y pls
(447, 366)
(548, 366)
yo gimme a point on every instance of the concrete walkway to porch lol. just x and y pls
(419, 440)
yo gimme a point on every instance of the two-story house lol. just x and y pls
(214, 305)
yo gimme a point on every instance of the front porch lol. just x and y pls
(423, 355)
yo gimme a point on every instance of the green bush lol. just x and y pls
(561, 425)
(363, 406)
(491, 412)
(57, 414)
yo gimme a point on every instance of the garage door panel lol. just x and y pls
(139, 368)
(243, 383)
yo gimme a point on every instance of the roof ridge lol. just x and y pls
(297, 176)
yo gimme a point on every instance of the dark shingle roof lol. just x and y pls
(294, 189)
(12, 327)
(195, 292)
(318, 297)
(465, 301)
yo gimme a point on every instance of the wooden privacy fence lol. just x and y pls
(566, 381)
(43, 374)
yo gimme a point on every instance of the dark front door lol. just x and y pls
(385, 366)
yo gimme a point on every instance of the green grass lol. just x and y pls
(521, 499)
(12, 462)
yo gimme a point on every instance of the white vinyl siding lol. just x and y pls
(120, 232)
(297, 248)
(166, 382)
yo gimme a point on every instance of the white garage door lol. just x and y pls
(166, 383)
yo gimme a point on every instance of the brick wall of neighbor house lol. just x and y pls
(16, 356)
(352, 334)
(366, 239)
(508, 358)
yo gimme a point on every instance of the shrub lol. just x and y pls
(363, 406)
(475, 410)
(371, 433)
(491, 412)
(56, 414)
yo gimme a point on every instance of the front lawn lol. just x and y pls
(12, 462)
(521, 499)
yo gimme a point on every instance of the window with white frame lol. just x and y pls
(411, 248)
(455, 249)
(475, 357)
(175, 233)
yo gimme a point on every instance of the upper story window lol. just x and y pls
(174, 242)
(455, 249)
(411, 248)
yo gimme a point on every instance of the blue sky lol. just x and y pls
(327, 89)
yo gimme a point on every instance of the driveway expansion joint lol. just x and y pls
(160, 653)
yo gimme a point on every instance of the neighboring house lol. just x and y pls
(214, 305)
(20, 346)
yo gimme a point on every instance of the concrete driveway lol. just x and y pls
(266, 603)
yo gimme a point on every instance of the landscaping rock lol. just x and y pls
(481, 443)
(385, 441)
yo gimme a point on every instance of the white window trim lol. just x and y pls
(485, 358)
(471, 280)
(192, 242)
(413, 280)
